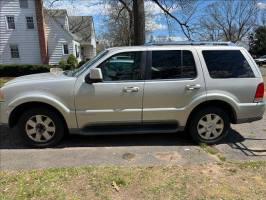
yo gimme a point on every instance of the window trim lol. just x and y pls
(7, 22)
(24, 7)
(142, 66)
(239, 50)
(149, 65)
(63, 49)
(11, 51)
(32, 23)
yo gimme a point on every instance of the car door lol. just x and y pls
(174, 82)
(118, 99)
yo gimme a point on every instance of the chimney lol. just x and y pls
(41, 31)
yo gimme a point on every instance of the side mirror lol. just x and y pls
(95, 76)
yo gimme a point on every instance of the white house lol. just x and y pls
(83, 27)
(61, 42)
(30, 34)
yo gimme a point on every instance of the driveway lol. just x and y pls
(244, 142)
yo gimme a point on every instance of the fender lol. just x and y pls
(51, 100)
(202, 98)
(224, 97)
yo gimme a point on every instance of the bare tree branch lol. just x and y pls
(183, 25)
(232, 19)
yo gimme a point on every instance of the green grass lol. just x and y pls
(204, 181)
(213, 151)
(252, 164)
(209, 149)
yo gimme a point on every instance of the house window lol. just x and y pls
(65, 49)
(30, 23)
(10, 22)
(14, 51)
(23, 3)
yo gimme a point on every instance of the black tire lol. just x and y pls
(58, 123)
(193, 124)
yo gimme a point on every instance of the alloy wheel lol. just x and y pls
(210, 126)
(40, 128)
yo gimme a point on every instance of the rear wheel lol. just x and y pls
(41, 127)
(209, 125)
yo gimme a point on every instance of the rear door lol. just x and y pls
(174, 82)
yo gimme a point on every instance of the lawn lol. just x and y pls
(221, 180)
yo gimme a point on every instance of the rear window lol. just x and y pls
(173, 64)
(227, 64)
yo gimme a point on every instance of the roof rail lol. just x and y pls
(191, 43)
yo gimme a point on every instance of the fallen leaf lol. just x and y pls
(115, 186)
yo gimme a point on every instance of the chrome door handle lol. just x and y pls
(131, 89)
(193, 87)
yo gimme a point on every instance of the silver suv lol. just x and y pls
(144, 89)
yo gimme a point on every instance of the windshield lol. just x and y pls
(86, 65)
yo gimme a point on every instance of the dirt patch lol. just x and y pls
(128, 156)
(168, 156)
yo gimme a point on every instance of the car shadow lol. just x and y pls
(246, 150)
(11, 141)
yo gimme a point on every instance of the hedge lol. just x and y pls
(7, 70)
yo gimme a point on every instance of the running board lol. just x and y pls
(131, 128)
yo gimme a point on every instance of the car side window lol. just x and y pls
(173, 65)
(227, 64)
(122, 66)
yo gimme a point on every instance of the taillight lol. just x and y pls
(259, 93)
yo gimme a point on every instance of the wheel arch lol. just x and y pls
(20, 109)
(215, 103)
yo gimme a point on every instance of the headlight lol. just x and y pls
(2, 96)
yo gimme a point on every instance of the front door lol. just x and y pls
(174, 81)
(118, 99)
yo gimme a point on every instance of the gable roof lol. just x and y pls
(56, 12)
(82, 26)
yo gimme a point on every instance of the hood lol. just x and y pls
(37, 77)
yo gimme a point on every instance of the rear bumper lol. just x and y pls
(3, 114)
(250, 112)
(248, 120)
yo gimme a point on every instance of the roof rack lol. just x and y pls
(191, 43)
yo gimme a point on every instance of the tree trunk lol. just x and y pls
(139, 22)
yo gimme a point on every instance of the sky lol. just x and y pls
(157, 24)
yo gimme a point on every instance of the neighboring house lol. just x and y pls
(83, 27)
(19, 38)
(61, 42)
(30, 34)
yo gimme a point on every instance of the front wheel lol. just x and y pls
(209, 125)
(41, 127)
